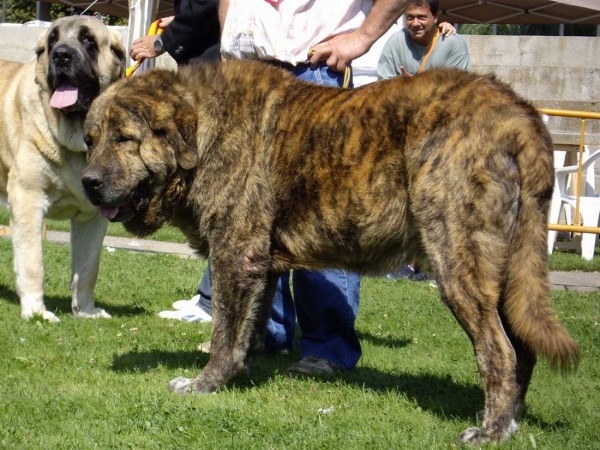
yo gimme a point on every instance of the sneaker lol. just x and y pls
(406, 272)
(195, 314)
(180, 305)
(204, 347)
(313, 367)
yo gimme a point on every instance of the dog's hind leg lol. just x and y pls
(526, 360)
(86, 246)
(470, 284)
(496, 360)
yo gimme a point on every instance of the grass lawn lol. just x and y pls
(102, 383)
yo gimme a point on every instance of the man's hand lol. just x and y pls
(446, 29)
(339, 51)
(143, 48)
(165, 21)
(404, 72)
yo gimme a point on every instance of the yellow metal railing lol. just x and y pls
(582, 115)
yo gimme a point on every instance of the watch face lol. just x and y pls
(158, 45)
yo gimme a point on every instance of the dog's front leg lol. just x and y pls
(242, 298)
(27, 210)
(86, 246)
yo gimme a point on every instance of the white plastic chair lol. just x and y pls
(589, 206)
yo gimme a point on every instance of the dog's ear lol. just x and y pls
(186, 123)
(116, 47)
(177, 122)
(40, 48)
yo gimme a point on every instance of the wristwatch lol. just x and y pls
(159, 47)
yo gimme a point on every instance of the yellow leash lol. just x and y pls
(347, 71)
(429, 50)
(151, 32)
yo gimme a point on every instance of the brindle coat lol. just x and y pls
(274, 174)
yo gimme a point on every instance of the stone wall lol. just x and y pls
(552, 72)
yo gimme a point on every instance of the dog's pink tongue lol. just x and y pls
(108, 212)
(64, 95)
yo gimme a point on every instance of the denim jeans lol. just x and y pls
(326, 302)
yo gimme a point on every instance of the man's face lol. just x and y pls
(420, 23)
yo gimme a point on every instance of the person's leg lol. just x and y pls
(327, 305)
(326, 301)
(322, 75)
(205, 290)
(281, 326)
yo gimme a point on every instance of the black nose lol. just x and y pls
(62, 56)
(92, 183)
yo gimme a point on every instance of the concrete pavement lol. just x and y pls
(568, 281)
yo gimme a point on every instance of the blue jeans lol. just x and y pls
(326, 302)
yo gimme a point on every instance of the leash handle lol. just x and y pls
(347, 71)
(153, 30)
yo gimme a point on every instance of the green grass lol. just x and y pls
(86, 384)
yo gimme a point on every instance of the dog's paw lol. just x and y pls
(473, 436)
(181, 385)
(92, 313)
(478, 436)
(46, 315)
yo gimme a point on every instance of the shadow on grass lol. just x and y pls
(383, 341)
(62, 304)
(438, 395)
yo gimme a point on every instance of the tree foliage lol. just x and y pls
(538, 29)
(21, 11)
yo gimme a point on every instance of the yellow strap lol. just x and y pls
(151, 32)
(431, 46)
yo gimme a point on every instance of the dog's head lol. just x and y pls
(77, 58)
(141, 138)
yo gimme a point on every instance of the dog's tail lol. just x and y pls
(527, 304)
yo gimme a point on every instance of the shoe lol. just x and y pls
(195, 314)
(204, 347)
(313, 367)
(180, 305)
(406, 273)
(423, 276)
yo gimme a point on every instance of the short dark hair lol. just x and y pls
(433, 4)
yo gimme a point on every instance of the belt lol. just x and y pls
(283, 64)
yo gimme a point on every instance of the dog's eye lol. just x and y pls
(89, 143)
(52, 39)
(88, 40)
(123, 140)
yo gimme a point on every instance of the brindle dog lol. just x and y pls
(272, 174)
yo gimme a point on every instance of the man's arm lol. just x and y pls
(194, 28)
(194, 25)
(340, 50)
